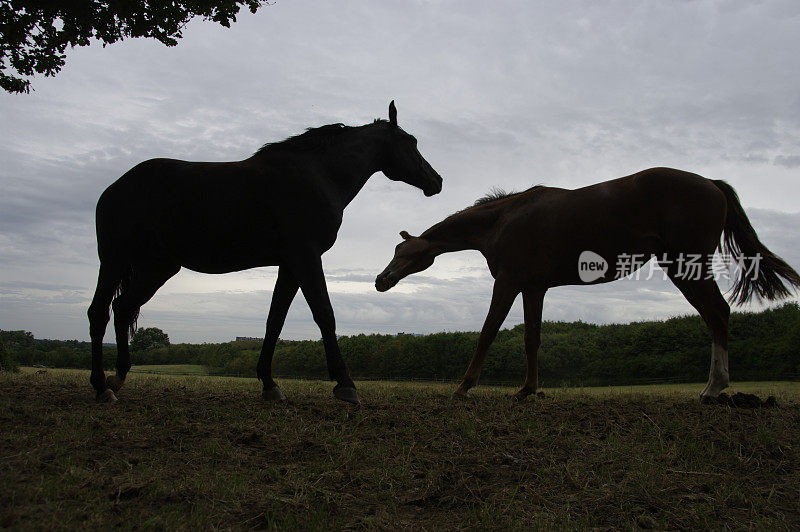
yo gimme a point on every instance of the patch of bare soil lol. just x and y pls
(741, 400)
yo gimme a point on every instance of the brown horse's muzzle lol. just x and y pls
(385, 281)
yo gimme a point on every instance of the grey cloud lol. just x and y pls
(789, 161)
(504, 95)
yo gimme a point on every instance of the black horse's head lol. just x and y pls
(412, 255)
(403, 161)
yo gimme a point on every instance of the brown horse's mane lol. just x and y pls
(312, 138)
(493, 195)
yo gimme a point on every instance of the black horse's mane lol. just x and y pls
(312, 138)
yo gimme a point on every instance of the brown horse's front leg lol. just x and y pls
(503, 296)
(532, 302)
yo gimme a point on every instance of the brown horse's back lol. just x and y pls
(543, 232)
(688, 210)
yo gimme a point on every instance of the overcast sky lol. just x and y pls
(499, 94)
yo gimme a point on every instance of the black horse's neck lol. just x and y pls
(347, 156)
(361, 156)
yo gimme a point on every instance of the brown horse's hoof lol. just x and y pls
(713, 400)
(114, 382)
(347, 394)
(521, 395)
(459, 396)
(107, 396)
(273, 394)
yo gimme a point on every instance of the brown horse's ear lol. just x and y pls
(405, 235)
(392, 114)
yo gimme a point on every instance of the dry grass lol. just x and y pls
(199, 452)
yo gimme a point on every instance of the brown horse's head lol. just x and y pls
(404, 162)
(412, 255)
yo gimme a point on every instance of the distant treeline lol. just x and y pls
(763, 345)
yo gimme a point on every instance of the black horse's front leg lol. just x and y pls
(312, 283)
(285, 289)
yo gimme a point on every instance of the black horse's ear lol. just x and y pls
(405, 235)
(392, 114)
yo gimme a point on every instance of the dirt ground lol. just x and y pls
(200, 452)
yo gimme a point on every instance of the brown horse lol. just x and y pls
(547, 237)
(281, 207)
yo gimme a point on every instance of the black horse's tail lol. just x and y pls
(121, 277)
(760, 270)
(124, 283)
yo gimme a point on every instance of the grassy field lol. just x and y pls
(171, 369)
(202, 452)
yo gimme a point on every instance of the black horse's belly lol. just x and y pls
(228, 252)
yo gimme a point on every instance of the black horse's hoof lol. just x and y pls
(114, 382)
(459, 396)
(273, 394)
(107, 396)
(346, 394)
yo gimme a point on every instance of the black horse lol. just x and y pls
(281, 207)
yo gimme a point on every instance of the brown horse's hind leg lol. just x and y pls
(532, 302)
(704, 295)
(503, 296)
(147, 278)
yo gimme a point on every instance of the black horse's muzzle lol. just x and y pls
(435, 188)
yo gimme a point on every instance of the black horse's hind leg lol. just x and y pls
(285, 289)
(311, 278)
(107, 282)
(147, 278)
(704, 295)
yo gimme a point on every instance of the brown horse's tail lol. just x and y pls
(760, 270)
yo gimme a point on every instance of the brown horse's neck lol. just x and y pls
(464, 230)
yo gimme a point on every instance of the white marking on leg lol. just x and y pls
(718, 376)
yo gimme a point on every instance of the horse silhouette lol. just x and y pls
(547, 237)
(280, 207)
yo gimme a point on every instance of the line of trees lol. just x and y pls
(763, 345)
